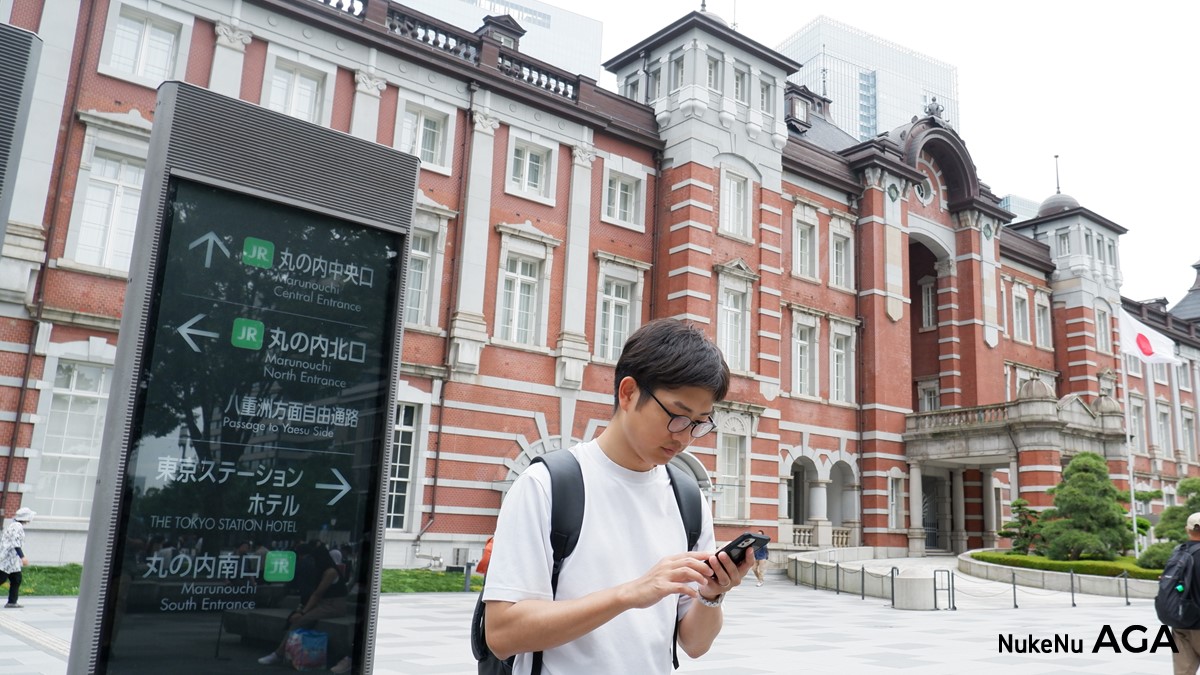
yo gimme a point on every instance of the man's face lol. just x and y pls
(647, 422)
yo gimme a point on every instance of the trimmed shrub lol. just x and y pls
(1100, 568)
(1155, 556)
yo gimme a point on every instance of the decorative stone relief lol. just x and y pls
(583, 155)
(484, 122)
(367, 83)
(231, 37)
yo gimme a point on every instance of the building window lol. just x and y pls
(804, 255)
(929, 304)
(928, 396)
(1160, 373)
(524, 290)
(731, 477)
(423, 133)
(144, 41)
(295, 92)
(805, 349)
(799, 109)
(519, 300)
(1133, 365)
(841, 363)
(653, 85)
(70, 456)
(632, 87)
(895, 503)
(531, 167)
(420, 263)
(839, 266)
(1112, 252)
(733, 328)
(766, 100)
(105, 234)
(1137, 420)
(619, 303)
(741, 86)
(1042, 320)
(1183, 375)
(1064, 242)
(1020, 314)
(1164, 430)
(1103, 332)
(1188, 434)
(716, 66)
(623, 198)
(735, 205)
(404, 436)
(676, 72)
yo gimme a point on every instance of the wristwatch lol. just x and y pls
(715, 602)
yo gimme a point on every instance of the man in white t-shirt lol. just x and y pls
(630, 575)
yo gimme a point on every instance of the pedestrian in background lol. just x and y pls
(760, 561)
(12, 554)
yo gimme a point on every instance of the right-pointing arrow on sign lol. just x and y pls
(186, 332)
(342, 486)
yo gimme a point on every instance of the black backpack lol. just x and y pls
(1176, 602)
(566, 519)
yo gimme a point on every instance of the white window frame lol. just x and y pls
(426, 106)
(741, 85)
(1043, 320)
(1021, 327)
(1063, 241)
(929, 303)
(766, 97)
(548, 149)
(95, 351)
(896, 503)
(1103, 326)
(806, 355)
(1188, 433)
(677, 72)
(1133, 365)
(633, 87)
(1160, 373)
(929, 395)
(653, 85)
(431, 220)
(804, 263)
(736, 218)
(398, 473)
(1183, 375)
(714, 70)
(171, 19)
(733, 499)
(1165, 431)
(733, 336)
(285, 58)
(109, 135)
(624, 169)
(843, 333)
(624, 270)
(1137, 423)
(525, 241)
(841, 232)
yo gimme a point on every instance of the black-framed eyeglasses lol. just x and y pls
(678, 423)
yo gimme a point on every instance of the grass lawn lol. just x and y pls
(64, 580)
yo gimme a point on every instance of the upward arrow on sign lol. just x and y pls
(212, 240)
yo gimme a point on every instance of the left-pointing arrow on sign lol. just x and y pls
(343, 486)
(186, 332)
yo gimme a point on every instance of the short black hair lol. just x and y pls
(669, 354)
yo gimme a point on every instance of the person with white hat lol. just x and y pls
(12, 557)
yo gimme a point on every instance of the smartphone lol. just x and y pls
(746, 541)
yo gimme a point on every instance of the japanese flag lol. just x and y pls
(1145, 343)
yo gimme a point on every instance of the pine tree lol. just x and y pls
(1087, 519)
(1023, 529)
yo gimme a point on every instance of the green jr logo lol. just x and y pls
(258, 253)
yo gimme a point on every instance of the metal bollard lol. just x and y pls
(1014, 583)
(1072, 586)
(862, 587)
(837, 578)
(467, 570)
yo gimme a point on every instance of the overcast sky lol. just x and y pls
(1106, 87)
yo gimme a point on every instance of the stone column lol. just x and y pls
(851, 510)
(818, 509)
(1014, 478)
(958, 510)
(989, 510)
(468, 330)
(364, 121)
(230, 52)
(573, 350)
(916, 514)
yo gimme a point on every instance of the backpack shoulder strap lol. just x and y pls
(687, 496)
(566, 514)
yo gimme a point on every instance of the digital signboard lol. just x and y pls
(255, 432)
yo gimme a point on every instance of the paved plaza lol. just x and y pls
(776, 628)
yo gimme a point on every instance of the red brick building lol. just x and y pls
(906, 360)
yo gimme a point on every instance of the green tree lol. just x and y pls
(1023, 529)
(1086, 519)
(1172, 524)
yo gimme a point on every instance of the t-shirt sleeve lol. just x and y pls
(707, 542)
(521, 554)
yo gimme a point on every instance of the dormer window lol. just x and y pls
(506, 40)
(799, 109)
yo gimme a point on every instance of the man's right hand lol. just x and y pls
(672, 575)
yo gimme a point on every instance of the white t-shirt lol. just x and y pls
(630, 522)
